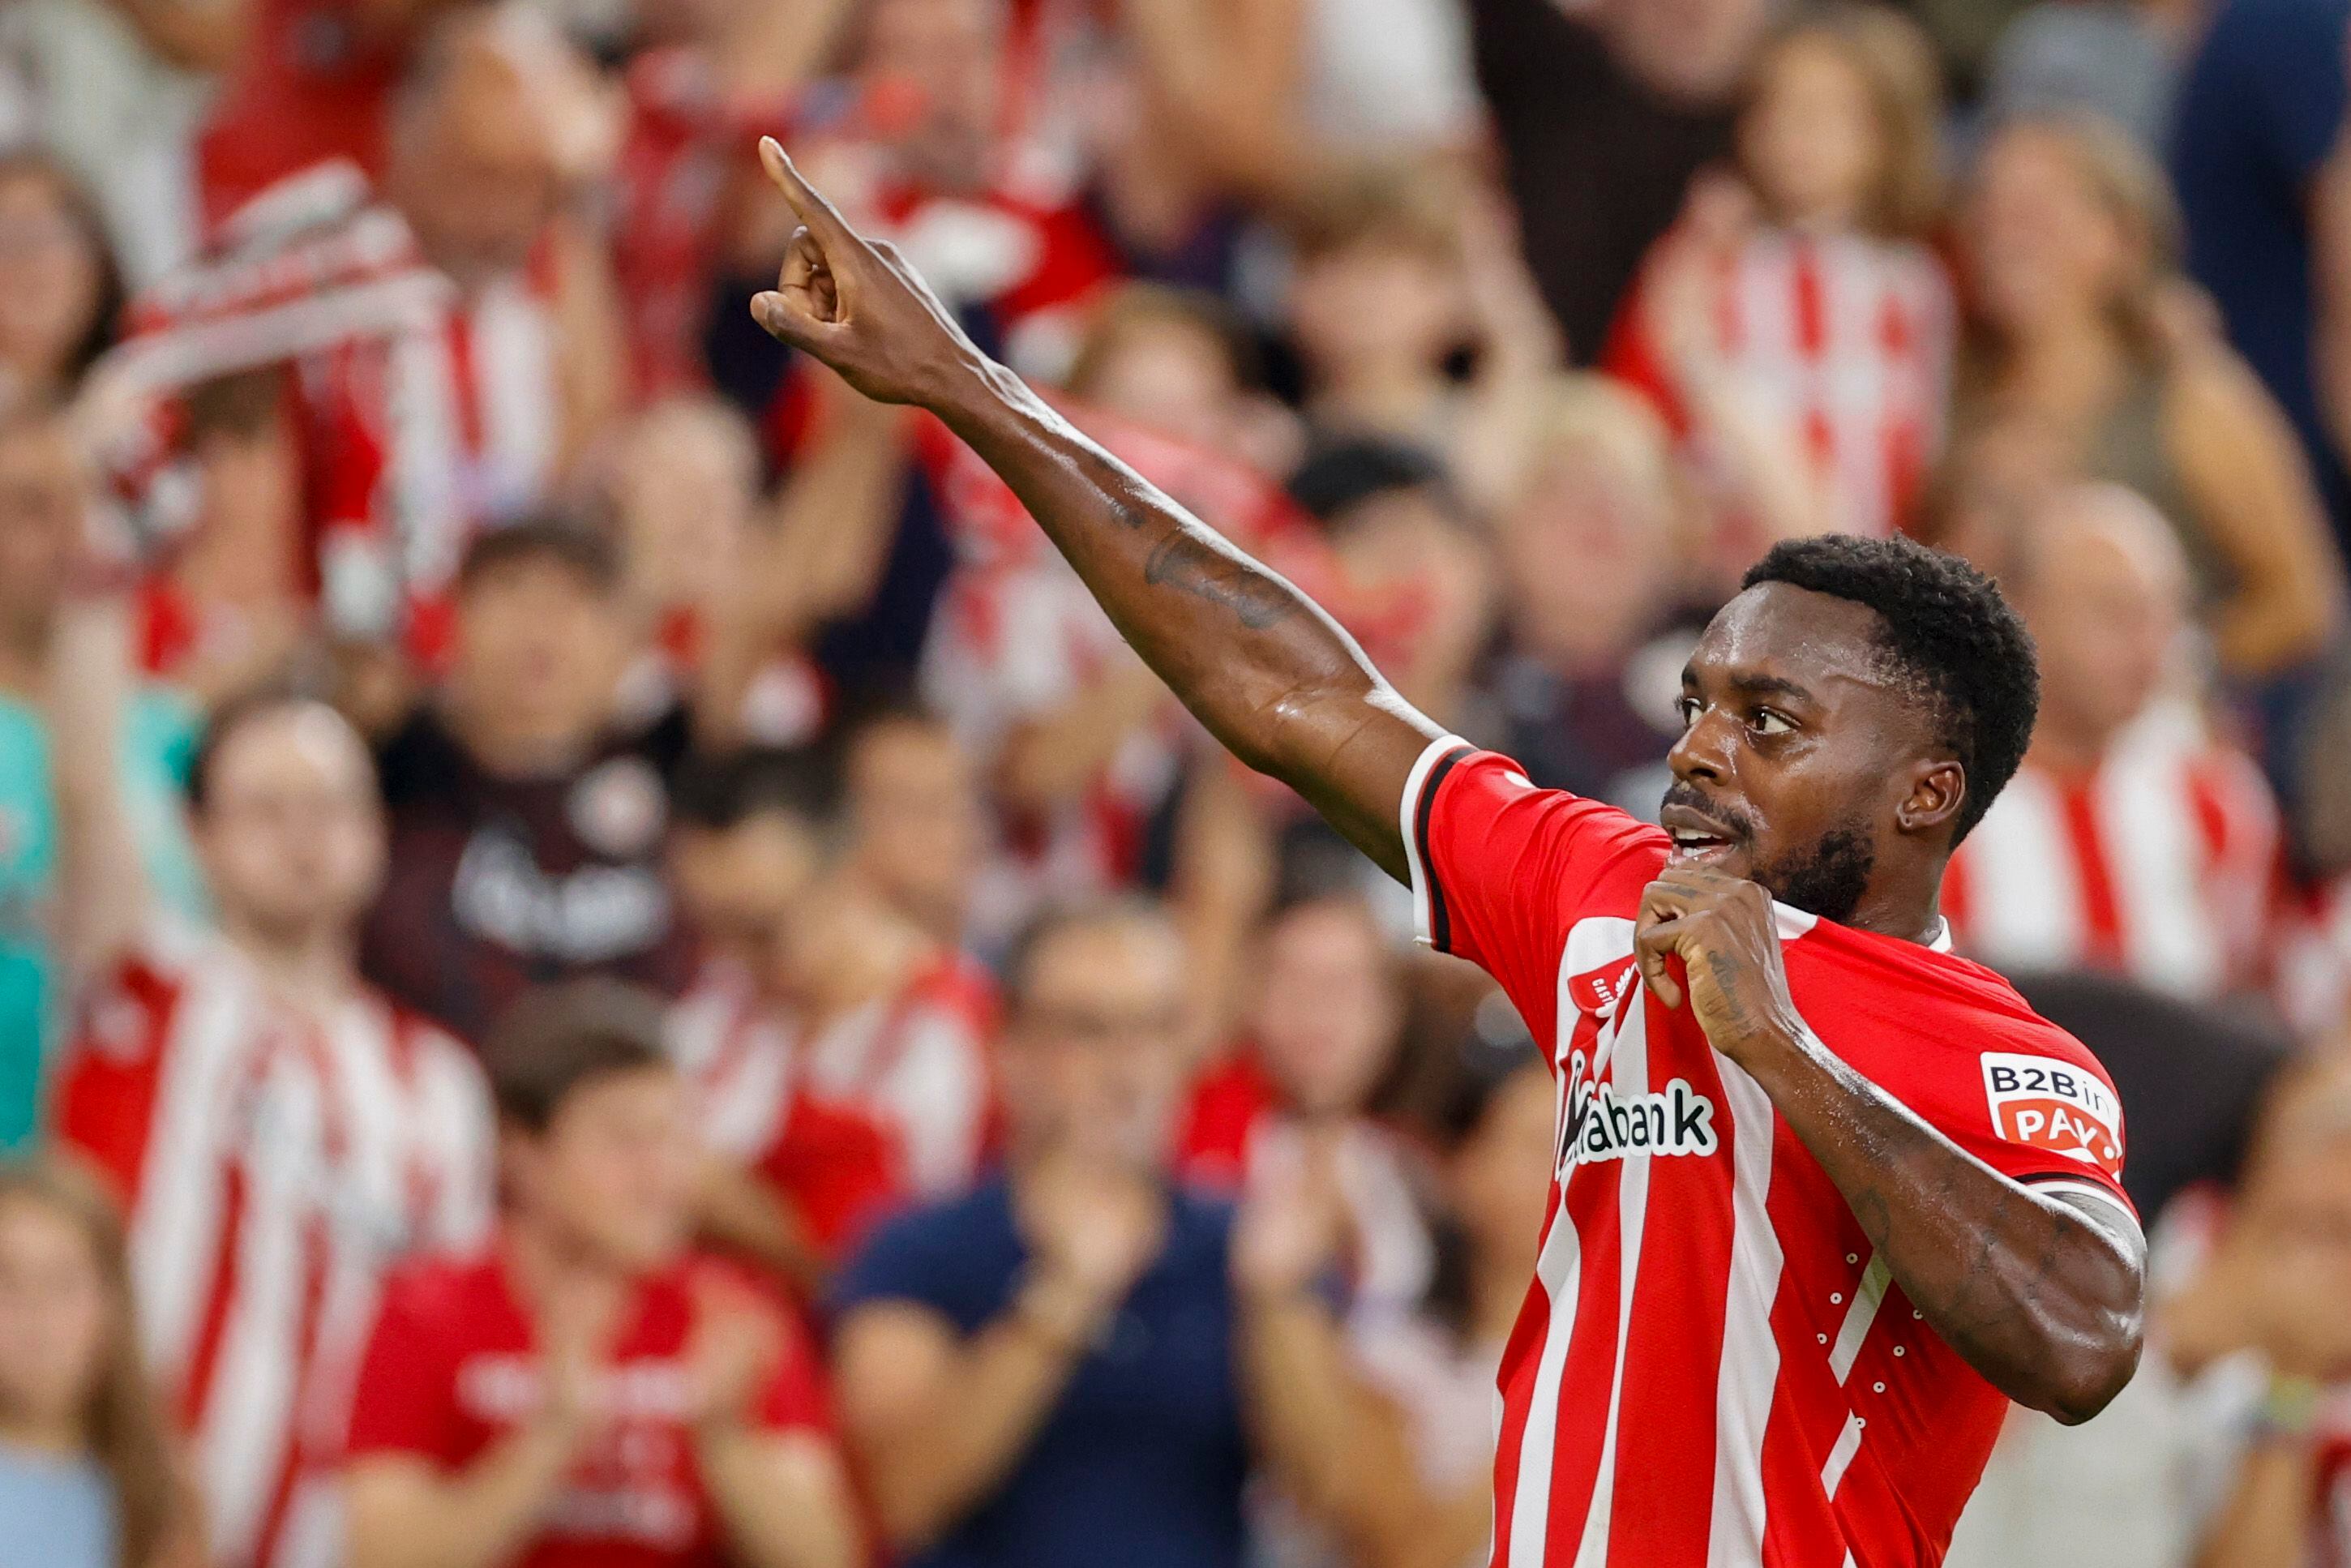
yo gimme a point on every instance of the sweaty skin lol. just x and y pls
(2041, 1295)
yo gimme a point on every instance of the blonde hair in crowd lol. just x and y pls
(122, 1418)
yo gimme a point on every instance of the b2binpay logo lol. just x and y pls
(2044, 1103)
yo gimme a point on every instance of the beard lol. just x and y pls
(1828, 877)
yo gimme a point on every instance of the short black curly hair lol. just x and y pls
(1948, 631)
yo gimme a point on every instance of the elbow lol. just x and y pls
(2090, 1372)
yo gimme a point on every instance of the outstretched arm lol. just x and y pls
(1272, 676)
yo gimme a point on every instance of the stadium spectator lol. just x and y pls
(2068, 234)
(1069, 1365)
(1394, 272)
(1183, 362)
(1604, 112)
(2132, 839)
(2261, 1328)
(89, 1478)
(792, 1177)
(2257, 148)
(527, 826)
(279, 1133)
(45, 516)
(888, 1020)
(914, 827)
(1579, 687)
(1793, 325)
(59, 292)
(587, 1390)
(1409, 561)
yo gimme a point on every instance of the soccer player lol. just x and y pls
(1826, 1196)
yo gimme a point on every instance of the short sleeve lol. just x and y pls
(1501, 869)
(2043, 1114)
(912, 1258)
(405, 1399)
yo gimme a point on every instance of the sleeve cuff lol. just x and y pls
(2074, 1186)
(1430, 921)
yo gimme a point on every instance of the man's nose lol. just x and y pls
(1703, 751)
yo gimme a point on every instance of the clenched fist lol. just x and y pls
(856, 305)
(1722, 929)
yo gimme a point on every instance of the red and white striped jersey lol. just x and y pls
(275, 1166)
(1845, 337)
(1712, 1365)
(917, 1062)
(2161, 863)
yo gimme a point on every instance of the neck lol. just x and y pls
(59, 1434)
(545, 1270)
(2065, 363)
(316, 968)
(2060, 747)
(1381, 392)
(1903, 905)
(515, 750)
(25, 661)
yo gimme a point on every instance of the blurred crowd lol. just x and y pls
(605, 962)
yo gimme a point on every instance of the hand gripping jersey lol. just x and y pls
(1712, 1369)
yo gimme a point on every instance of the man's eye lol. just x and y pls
(1771, 721)
(1686, 707)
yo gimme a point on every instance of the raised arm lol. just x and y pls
(1272, 676)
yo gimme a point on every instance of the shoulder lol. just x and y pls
(934, 1248)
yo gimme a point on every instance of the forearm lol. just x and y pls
(479, 1519)
(2031, 1294)
(1011, 1373)
(1299, 1389)
(780, 1497)
(2266, 1521)
(104, 895)
(1275, 679)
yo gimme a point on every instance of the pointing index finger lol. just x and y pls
(832, 230)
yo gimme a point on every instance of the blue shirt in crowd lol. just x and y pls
(54, 1512)
(1141, 1462)
(2257, 114)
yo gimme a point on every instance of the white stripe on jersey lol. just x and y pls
(1866, 1297)
(1841, 1455)
(1751, 1354)
(1557, 1268)
(1415, 783)
(1629, 1066)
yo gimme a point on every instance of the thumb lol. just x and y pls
(790, 322)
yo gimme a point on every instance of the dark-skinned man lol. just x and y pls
(1826, 1196)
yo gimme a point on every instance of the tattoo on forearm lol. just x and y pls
(1185, 562)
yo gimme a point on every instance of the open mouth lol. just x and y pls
(1696, 840)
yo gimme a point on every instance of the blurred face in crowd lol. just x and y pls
(2104, 590)
(2039, 244)
(42, 501)
(1374, 303)
(539, 651)
(1093, 1060)
(291, 833)
(915, 822)
(1327, 1010)
(1499, 1176)
(1170, 374)
(687, 481)
(474, 159)
(611, 1179)
(740, 883)
(52, 275)
(1689, 49)
(1811, 139)
(1602, 503)
(55, 1312)
(933, 71)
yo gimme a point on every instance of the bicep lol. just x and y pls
(1369, 746)
(2110, 1225)
(2240, 461)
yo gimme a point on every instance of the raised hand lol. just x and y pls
(1723, 930)
(856, 305)
(1094, 1229)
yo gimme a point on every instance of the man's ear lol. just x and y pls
(1937, 791)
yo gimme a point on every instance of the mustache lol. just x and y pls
(1735, 824)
